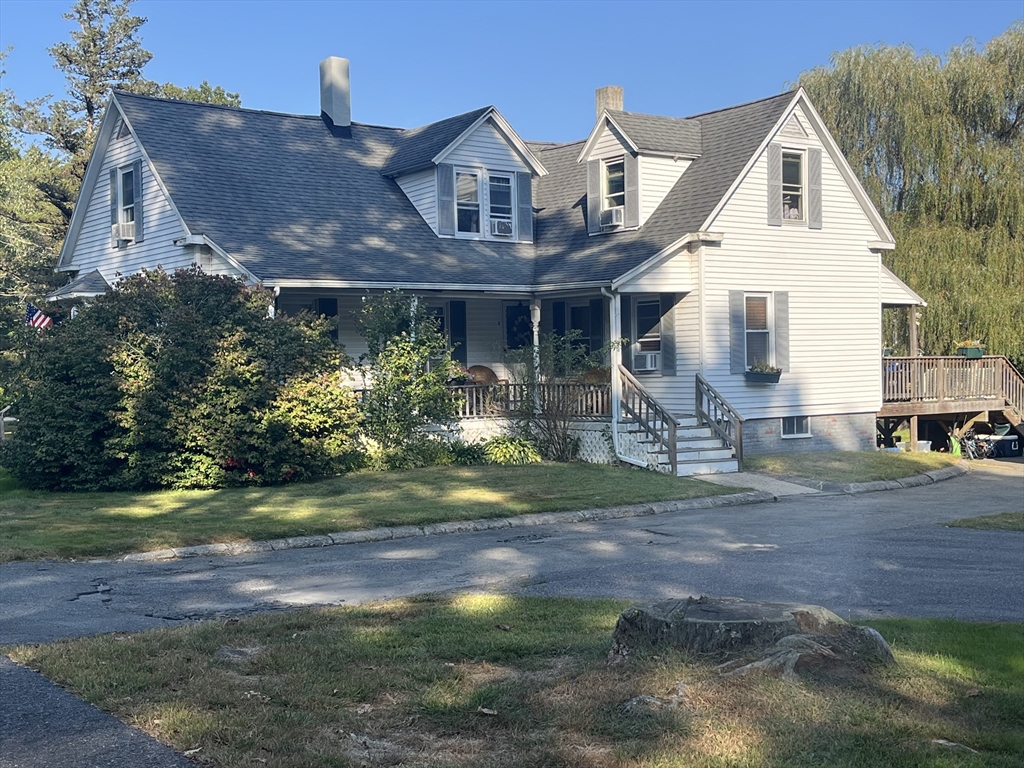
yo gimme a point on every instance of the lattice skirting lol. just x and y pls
(630, 445)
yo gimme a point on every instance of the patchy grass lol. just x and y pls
(75, 525)
(1003, 521)
(408, 682)
(848, 466)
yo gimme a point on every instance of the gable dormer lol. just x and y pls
(470, 177)
(633, 161)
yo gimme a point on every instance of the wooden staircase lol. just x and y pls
(696, 444)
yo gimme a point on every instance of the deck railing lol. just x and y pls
(952, 378)
(714, 411)
(582, 401)
(659, 425)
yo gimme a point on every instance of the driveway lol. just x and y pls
(875, 554)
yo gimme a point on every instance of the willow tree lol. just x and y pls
(937, 142)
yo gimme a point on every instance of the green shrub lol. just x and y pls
(468, 454)
(511, 450)
(181, 381)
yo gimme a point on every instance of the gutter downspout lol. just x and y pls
(615, 331)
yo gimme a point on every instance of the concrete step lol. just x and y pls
(682, 433)
(689, 468)
(714, 454)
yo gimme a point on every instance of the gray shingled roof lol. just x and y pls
(566, 253)
(654, 133)
(85, 286)
(289, 200)
(416, 149)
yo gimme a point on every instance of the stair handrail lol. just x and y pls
(657, 421)
(720, 416)
(1013, 387)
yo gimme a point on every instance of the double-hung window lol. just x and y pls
(614, 185)
(647, 349)
(126, 204)
(792, 186)
(796, 426)
(499, 198)
(467, 191)
(757, 330)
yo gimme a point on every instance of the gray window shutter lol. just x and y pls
(626, 329)
(457, 332)
(114, 234)
(668, 334)
(594, 196)
(631, 168)
(446, 199)
(814, 188)
(782, 330)
(524, 196)
(775, 185)
(140, 231)
(737, 333)
(558, 318)
(596, 324)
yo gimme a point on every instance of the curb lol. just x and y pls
(459, 526)
(522, 521)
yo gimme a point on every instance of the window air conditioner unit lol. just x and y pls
(646, 361)
(611, 217)
(123, 231)
(501, 227)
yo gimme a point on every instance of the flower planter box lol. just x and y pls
(971, 352)
(756, 377)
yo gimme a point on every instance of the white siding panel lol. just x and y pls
(485, 334)
(676, 392)
(610, 143)
(162, 226)
(486, 148)
(833, 284)
(421, 189)
(674, 274)
(657, 177)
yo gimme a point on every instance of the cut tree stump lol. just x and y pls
(773, 637)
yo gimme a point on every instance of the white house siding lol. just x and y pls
(486, 148)
(610, 143)
(833, 284)
(162, 225)
(657, 177)
(421, 189)
(676, 392)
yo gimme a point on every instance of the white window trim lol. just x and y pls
(605, 162)
(483, 185)
(121, 207)
(802, 152)
(795, 435)
(770, 310)
(634, 347)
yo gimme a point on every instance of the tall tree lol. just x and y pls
(938, 145)
(204, 93)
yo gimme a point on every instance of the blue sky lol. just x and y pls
(538, 62)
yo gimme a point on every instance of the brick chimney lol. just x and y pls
(608, 97)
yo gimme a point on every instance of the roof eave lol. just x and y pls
(507, 131)
(592, 139)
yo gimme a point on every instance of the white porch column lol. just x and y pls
(615, 354)
(535, 325)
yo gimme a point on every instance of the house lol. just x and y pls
(715, 244)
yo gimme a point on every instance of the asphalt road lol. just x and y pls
(876, 554)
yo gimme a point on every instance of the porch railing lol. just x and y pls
(660, 427)
(715, 412)
(583, 401)
(952, 378)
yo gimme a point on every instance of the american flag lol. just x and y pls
(34, 316)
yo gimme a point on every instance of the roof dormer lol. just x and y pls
(633, 161)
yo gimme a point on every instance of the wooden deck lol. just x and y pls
(933, 386)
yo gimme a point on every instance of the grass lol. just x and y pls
(848, 466)
(408, 682)
(75, 525)
(1003, 521)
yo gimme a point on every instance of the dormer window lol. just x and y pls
(614, 185)
(467, 188)
(500, 197)
(792, 186)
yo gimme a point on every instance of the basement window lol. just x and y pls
(796, 426)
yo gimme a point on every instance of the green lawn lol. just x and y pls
(1002, 521)
(848, 466)
(505, 681)
(77, 525)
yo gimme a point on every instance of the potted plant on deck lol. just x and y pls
(972, 348)
(763, 373)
